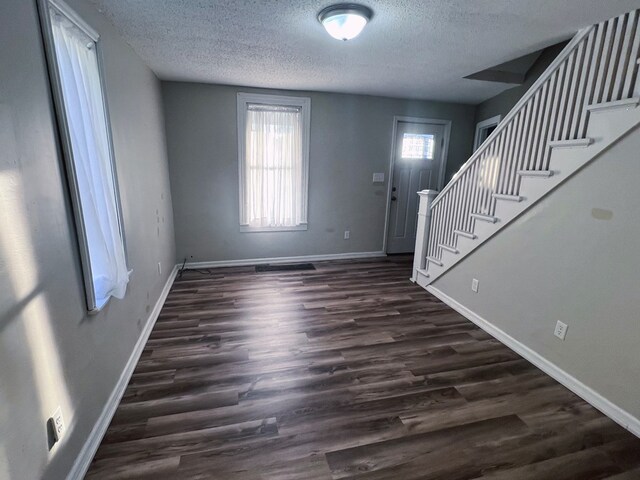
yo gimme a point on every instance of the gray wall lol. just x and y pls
(502, 103)
(51, 352)
(350, 139)
(563, 261)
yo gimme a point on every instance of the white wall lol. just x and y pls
(51, 352)
(350, 140)
(573, 257)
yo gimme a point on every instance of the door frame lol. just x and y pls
(443, 160)
(483, 125)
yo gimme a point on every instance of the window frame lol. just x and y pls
(304, 103)
(62, 126)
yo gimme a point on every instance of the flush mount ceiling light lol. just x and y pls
(345, 21)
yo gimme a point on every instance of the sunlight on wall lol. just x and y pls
(489, 169)
(18, 263)
(4, 465)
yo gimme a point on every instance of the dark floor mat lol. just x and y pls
(290, 267)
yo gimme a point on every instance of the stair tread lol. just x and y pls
(435, 260)
(574, 143)
(448, 248)
(486, 218)
(535, 173)
(462, 233)
(625, 102)
(504, 196)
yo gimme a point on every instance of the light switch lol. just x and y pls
(378, 177)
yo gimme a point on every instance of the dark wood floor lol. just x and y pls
(349, 371)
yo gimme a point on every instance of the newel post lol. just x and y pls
(422, 232)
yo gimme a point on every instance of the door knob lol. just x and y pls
(393, 199)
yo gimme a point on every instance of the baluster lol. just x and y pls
(533, 126)
(486, 179)
(452, 210)
(445, 236)
(554, 85)
(476, 191)
(511, 164)
(581, 111)
(572, 94)
(496, 160)
(504, 158)
(554, 114)
(445, 219)
(468, 194)
(522, 144)
(605, 56)
(454, 218)
(614, 60)
(625, 56)
(467, 200)
(501, 161)
(513, 154)
(541, 132)
(478, 185)
(435, 218)
(460, 210)
(562, 112)
(453, 214)
(590, 91)
(632, 67)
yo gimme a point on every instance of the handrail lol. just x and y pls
(597, 68)
(562, 56)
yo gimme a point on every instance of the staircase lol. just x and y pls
(584, 102)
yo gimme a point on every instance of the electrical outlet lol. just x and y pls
(561, 330)
(474, 285)
(57, 424)
(347, 234)
(159, 268)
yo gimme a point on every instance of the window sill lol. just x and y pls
(100, 304)
(295, 228)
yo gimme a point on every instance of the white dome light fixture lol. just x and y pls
(345, 21)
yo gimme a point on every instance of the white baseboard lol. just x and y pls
(83, 461)
(278, 260)
(611, 410)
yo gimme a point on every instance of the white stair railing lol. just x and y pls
(599, 65)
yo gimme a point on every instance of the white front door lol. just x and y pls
(417, 166)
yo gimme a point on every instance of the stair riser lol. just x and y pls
(506, 209)
(422, 279)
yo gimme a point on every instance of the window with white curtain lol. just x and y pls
(273, 147)
(84, 127)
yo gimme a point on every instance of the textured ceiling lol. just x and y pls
(411, 48)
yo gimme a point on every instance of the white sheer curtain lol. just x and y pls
(86, 120)
(273, 166)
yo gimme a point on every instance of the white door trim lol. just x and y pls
(443, 161)
(489, 122)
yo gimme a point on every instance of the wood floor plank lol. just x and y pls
(346, 371)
